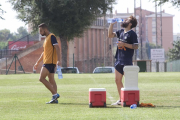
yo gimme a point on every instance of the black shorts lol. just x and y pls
(50, 67)
(119, 68)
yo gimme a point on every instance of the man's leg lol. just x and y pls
(44, 72)
(118, 80)
(52, 81)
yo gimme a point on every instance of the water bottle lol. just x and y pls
(34, 70)
(59, 72)
(133, 106)
(112, 20)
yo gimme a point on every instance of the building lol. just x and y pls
(160, 34)
(95, 49)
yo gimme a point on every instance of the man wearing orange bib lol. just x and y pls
(50, 57)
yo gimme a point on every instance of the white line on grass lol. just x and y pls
(111, 98)
(108, 94)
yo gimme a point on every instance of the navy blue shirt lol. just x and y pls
(124, 57)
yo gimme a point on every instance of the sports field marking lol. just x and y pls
(121, 111)
(108, 94)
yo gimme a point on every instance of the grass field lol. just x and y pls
(23, 97)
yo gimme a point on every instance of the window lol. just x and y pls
(69, 70)
(103, 70)
(153, 29)
(154, 39)
(153, 33)
(137, 28)
(153, 19)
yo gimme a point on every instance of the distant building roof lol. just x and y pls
(119, 15)
(159, 15)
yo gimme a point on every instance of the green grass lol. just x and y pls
(23, 97)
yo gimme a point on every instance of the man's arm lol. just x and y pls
(55, 44)
(111, 34)
(58, 53)
(131, 46)
(38, 61)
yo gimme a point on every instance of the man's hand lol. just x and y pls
(58, 63)
(120, 44)
(114, 23)
(35, 66)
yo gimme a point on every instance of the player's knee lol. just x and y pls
(41, 79)
(116, 80)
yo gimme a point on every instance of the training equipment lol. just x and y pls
(130, 92)
(59, 72)
(34, 70)
(97, 97)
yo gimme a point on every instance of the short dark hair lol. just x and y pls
(133, 21)
(43, 25)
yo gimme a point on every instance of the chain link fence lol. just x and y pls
(11, 61)
(173, 66)
(158, 66)
(84, 65)
(87, 64)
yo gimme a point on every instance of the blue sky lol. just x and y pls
(12, 23)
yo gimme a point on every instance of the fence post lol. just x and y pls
(28, 39)
(1, 54)
(6, 65)
(15, 63)
(73, 60)
(157, 66)
(165, 66)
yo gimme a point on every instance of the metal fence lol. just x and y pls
(87, 64)
(158, 66)
(173, 66)
(16, 46)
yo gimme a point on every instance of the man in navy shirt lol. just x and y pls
(127, 42)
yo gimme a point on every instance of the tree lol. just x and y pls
(1, 12)
(4, 35)
(66, 18)
(21, 32)
(175, 3)
(174, 53)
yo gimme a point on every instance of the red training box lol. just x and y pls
(129, 97)
(97, 97)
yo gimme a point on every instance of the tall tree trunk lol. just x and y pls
(64, 48)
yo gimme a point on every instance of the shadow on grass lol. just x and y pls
(167, 107)
(87, 104)
(73, 103)
(109, 106)
(162, 107)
